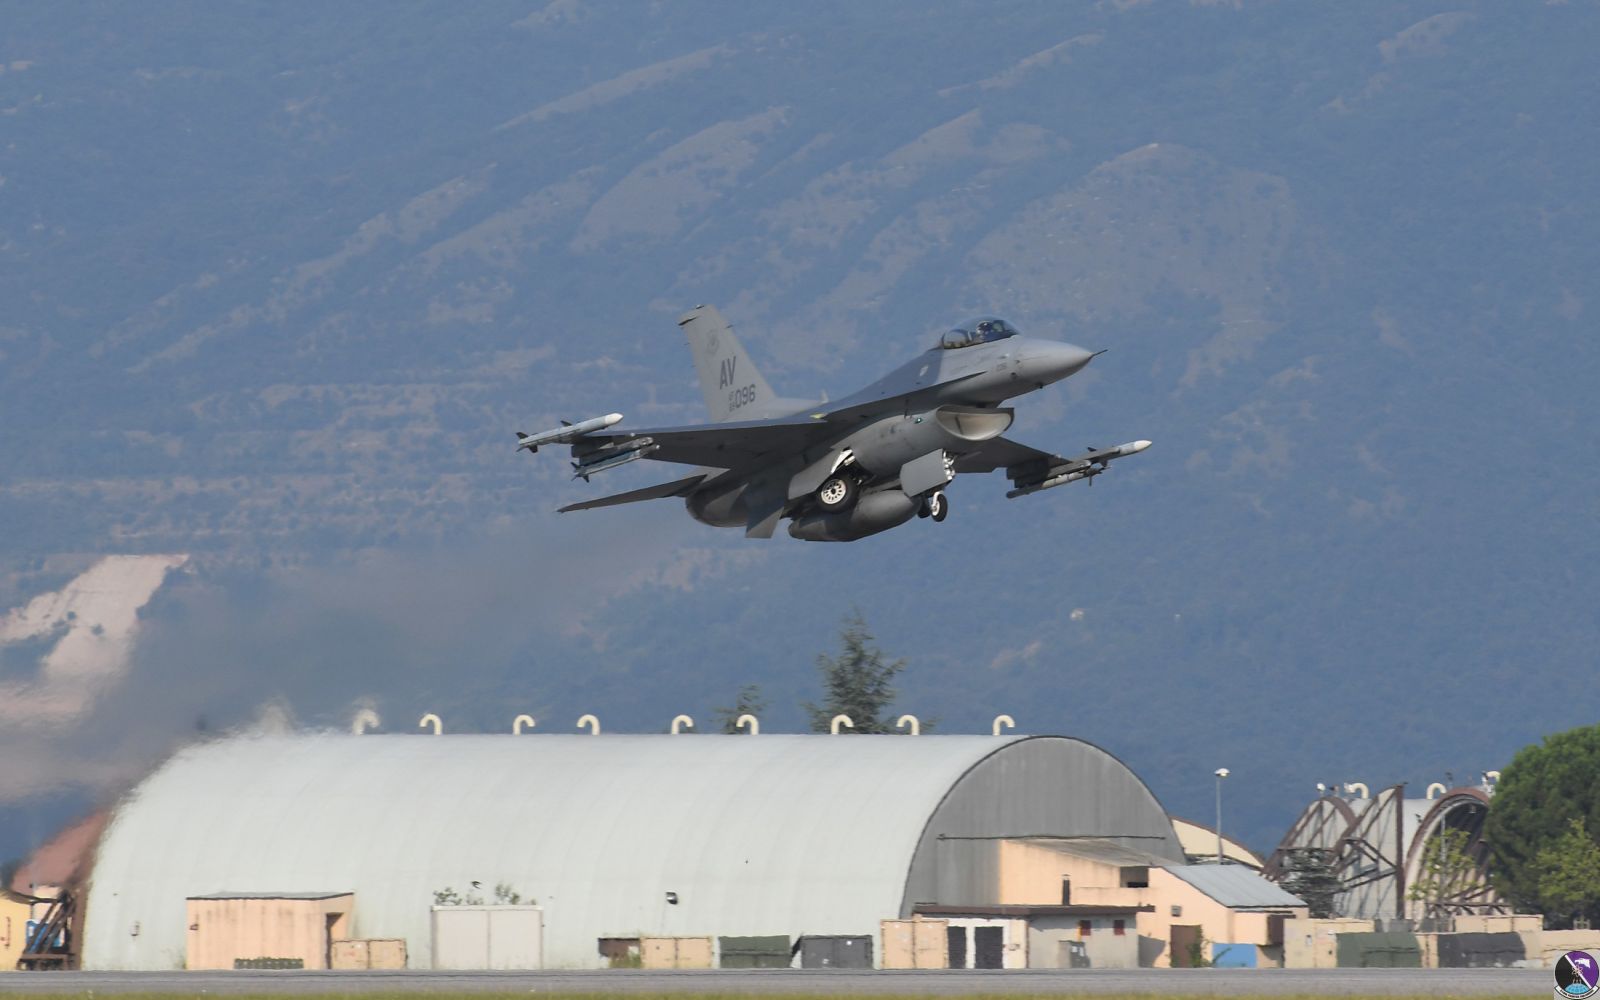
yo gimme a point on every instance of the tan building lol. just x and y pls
(378, 953)
(1200, 845)
(1039, 937)
(1170, 914)
(15, 910)
(918, 943)
(1225, 914)
(228, 928)
(1313, 942)
(675, 953)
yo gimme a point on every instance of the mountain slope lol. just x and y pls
(281, 285)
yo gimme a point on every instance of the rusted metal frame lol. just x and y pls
(1313, 822)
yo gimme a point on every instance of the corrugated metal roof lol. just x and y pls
(1235, 886)
(271, 895)
(1034, 910)
(757, 834)
(1106, 852)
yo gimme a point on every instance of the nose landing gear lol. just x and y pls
(934, 505)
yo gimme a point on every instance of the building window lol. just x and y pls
(1119, 927)
(1084, 927)
(1066, 892)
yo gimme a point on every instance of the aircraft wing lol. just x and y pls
(1000, 453)
(721, 446)
(676, 488)
(1031, 470)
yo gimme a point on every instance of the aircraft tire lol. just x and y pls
(938, 506)
(837, 492)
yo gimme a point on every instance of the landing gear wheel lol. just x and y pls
(836, 493)
(937, 506)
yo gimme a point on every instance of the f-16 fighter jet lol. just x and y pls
(851, 468)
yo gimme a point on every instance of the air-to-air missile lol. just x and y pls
(1085, 470)
(599, 457)
(566, 433)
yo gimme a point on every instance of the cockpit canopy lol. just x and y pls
(983, 330)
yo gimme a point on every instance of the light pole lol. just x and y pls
(1221, 773)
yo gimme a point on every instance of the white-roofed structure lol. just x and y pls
(1237, 887)
(762, 835)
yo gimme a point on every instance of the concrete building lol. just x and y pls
(619, 838)
(1233, 916)
(299, 928)
(15, 919)
(1117, 905)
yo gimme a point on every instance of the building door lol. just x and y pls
(1183, 945)
(329, 937)
(989, 947)
(956, 938)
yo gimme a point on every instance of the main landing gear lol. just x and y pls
(837, 492)
(934, 505)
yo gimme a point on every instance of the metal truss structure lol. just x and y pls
(1379, 848)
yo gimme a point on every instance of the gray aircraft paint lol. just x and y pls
(898, 441)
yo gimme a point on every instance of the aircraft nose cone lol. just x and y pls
(1057, 361)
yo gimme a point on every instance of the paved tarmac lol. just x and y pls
(1163, 982)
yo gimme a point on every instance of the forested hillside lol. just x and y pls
(280, 281)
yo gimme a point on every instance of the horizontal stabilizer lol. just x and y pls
(679, 488)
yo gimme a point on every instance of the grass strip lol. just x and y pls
(414, 994)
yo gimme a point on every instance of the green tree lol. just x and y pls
(858, 682)
(1448, 872)
(1568, 873)
(1539, 794)
(749, 702)
(1311, 876)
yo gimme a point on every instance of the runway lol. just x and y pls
(1163, 982)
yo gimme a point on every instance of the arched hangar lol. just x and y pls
(614, 836)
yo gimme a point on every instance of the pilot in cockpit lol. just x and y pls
(980, 331)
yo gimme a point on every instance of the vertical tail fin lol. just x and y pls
(734, 390)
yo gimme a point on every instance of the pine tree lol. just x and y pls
(858, 682)
(749, 702)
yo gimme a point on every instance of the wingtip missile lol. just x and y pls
(1088, 467)
(566, 433)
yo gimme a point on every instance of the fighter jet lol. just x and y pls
(846, 469)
